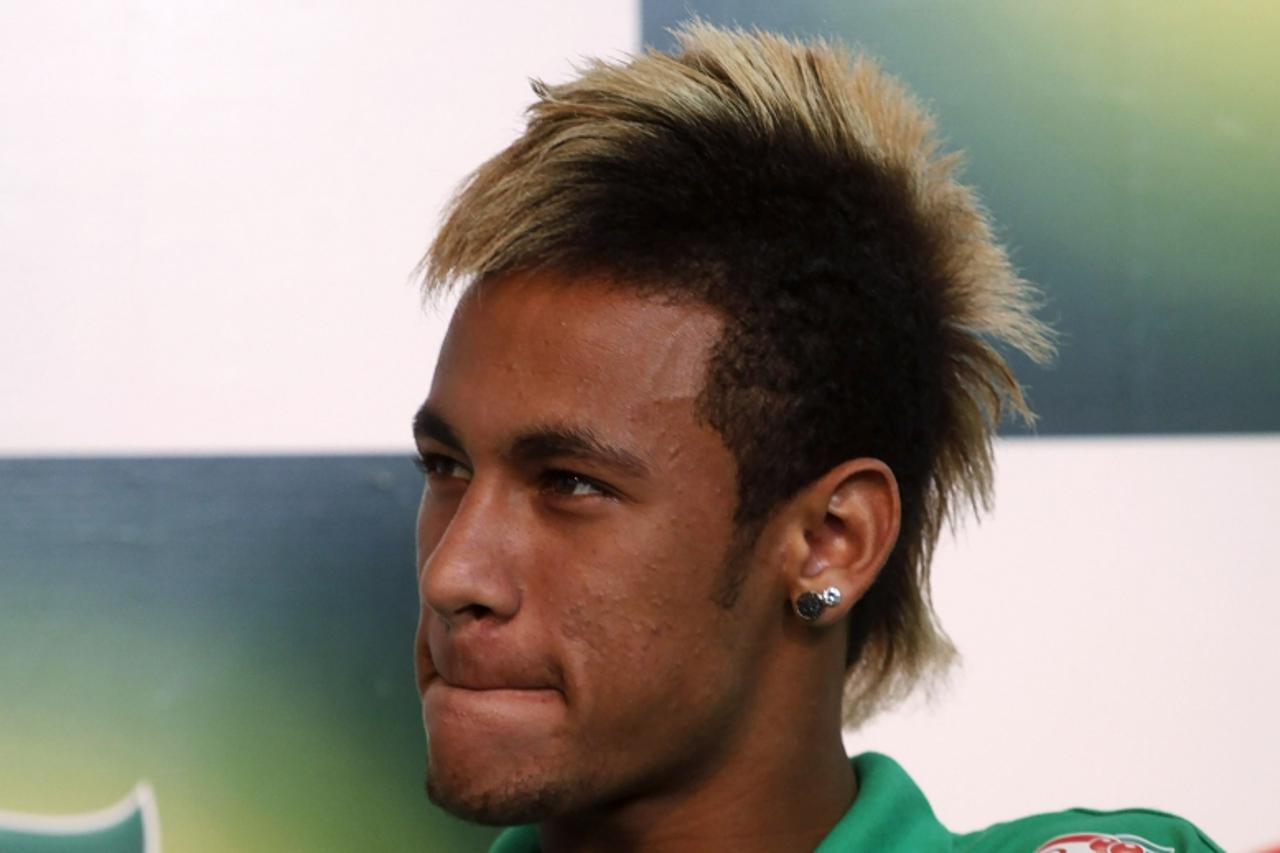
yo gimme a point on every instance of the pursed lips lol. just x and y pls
(474, 671)
(491, 685)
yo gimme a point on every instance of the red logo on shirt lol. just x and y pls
(1092, 842)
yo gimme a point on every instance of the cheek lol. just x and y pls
(645, 635)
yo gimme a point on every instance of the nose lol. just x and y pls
(467, 573)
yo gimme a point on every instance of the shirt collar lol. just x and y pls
(889, 815)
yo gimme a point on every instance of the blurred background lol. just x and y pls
(211, 347)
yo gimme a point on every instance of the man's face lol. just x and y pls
(573, 534)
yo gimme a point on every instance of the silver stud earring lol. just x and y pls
(809, 605)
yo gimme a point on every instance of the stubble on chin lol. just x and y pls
(505, 801)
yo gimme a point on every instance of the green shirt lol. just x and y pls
(891, 815)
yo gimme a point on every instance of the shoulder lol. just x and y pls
(1089, 831)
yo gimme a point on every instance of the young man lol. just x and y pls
(723, 366)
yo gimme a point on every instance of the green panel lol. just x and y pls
(236, 632)
(1129, 152)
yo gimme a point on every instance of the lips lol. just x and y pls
(492, 681)
(480, 663)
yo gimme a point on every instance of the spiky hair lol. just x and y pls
(800, 191)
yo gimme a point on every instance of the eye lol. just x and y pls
(437, 466)
(570, 485)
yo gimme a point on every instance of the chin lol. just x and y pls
(496, 796)
(498, 759)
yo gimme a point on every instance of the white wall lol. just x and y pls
(210, 213)
(1117, 620)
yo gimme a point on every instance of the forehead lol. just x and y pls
(542, 346)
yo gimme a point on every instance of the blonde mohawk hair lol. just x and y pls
(801, 192)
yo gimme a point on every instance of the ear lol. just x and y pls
(848, 521)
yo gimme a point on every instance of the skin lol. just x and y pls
(575, 529)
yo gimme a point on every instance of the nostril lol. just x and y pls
(472, 613)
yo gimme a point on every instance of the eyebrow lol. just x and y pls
(429, 424)
(557, 441)
(538, 444)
